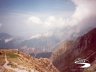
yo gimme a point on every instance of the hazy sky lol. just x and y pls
(29, 17)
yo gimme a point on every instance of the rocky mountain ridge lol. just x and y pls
(83, 47)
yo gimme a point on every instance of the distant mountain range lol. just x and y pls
(41, 42)
(39, 45)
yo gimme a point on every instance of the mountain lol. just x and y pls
(42, 55)
(12, 60)
(42, 43)
(4, 38)
(8, 41)
(83, 47)
(37, 53)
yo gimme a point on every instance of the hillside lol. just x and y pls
(83, 47)
(15, 61)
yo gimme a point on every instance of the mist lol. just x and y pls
(82, 20)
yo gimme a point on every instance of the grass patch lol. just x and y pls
(12, 55)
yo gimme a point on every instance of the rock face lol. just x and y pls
(83, 47)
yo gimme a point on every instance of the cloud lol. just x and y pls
(34, 20)
(55, 22)
(85, 13)
(84, 17)
(50, 22)
(82, 20)
(84, 9)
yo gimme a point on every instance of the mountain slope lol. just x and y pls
(84, 47)
(4, 36)
(15, 61)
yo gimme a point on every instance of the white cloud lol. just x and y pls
(34, 20)
(7, 40)
(47, 34)
(37, 23)
(48, 22)
(83, 18)
(84, 9)
(55, 22)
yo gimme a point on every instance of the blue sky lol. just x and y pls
(30, 17)
(36, 5)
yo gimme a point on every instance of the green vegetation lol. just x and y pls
(12, 55)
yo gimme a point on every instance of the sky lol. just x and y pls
(31, 17)
(36, 5)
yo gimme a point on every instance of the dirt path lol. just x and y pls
(6, 63)
(22, 69)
